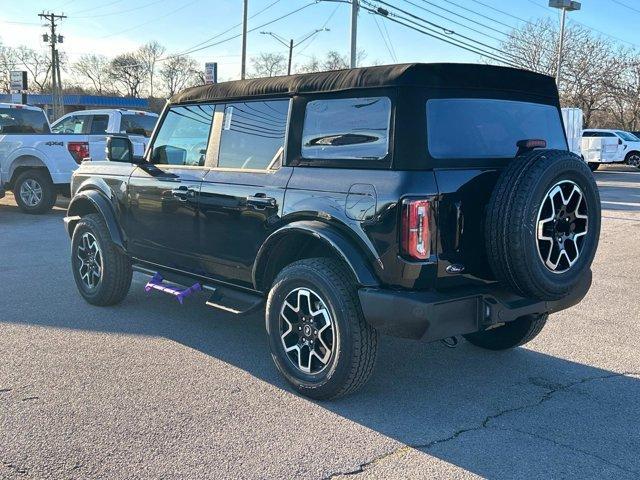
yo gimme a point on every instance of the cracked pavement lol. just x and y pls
(151, 389)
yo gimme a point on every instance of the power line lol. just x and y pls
(437, 35)
(93, 8)
(171, 12)
(498, 51)
(462, 24)
(155, 2)
(218, 35)
(324, 25)
(393, 58)
(625, 5)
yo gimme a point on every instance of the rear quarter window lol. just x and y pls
(19, 120)
(488, 128)
(347, 129)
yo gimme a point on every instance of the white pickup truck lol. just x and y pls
(37, 161)
(601, 145)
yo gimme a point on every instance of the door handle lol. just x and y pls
(260, 201)
(183, 193)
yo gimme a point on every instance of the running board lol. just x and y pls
(157, 283)
(235, 301)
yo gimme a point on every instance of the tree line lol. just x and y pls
(598, 75)
(146, 72)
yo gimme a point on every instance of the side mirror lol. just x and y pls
(120, 149)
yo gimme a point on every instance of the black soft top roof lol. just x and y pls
(426, 75)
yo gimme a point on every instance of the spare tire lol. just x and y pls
(543, 224)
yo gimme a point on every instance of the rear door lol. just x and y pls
(163, 217)
(243, 194)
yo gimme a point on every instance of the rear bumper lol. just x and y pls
(434, 315)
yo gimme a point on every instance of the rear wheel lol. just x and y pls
(34, 192)
(633, 159)
(509, 335)
(102, 272)
(319, 339)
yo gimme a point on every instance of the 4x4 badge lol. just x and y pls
(52, 143)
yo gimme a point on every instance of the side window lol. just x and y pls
(183, 136)
(590, 134)
(138, 124)
(253, 135)
(99, 124)
(72, 124)
(607, 134)
(347, 129)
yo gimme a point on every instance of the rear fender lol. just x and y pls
(346, 250)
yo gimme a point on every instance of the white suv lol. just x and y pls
(610, 146)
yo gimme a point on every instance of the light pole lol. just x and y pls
(565, 6)
(291, 45)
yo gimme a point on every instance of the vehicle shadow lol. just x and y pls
(512, 414)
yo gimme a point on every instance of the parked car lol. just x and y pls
(627, 149)
(36, 161)
(424, 201)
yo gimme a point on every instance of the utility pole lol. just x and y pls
(56, 81)
(565, 6)
(354, 33)
(291, 44)
(243, 71)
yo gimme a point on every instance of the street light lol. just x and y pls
(291, 45)
(565, 6)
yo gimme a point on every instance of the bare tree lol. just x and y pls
(8, 62)
(95, 69)
(126, 71)
(148, 55)
(179, 72)
(37, 64)
(589, 64)
(332, 61)
(268, 65)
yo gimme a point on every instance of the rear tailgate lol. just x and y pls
(477, 137)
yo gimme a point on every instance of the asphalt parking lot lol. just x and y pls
(150, 389)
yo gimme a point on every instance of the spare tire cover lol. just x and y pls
(543, 224)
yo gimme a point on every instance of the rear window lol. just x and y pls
(488, 128)
(347, 129)
(137, 124)
(19, 120)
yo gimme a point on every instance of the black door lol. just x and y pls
(162, 222)
(241, 198)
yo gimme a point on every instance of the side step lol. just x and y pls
(235, 301)
(157, 283)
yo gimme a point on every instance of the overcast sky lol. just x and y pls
(110, 27)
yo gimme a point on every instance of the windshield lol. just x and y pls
(20, 120)
(137, 124)
(628, 137)
(488, 128)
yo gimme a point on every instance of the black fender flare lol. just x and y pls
(344, 248)
(97, 201)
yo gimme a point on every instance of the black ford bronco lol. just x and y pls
(424, 201)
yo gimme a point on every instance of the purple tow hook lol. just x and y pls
(156, 283)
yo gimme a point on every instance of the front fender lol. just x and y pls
(345, 249)
(89, 201)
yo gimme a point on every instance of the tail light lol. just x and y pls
(78, 150)
(416, 237)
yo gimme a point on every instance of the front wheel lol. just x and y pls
(102, 272)
(319, 339)
(509, 335)
(34, 191)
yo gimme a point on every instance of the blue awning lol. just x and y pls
(84, 101)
